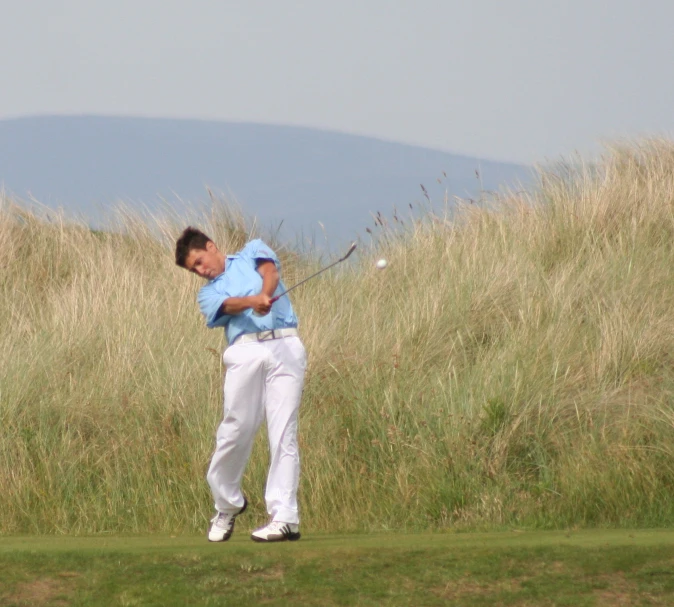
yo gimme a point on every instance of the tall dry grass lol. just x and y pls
(511, 367)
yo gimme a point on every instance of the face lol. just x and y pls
(206, 263)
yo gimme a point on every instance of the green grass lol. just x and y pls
(577, 568)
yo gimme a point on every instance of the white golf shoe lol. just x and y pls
(276, 531)
(223, 524)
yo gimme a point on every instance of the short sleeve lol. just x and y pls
(259, 250)
(210, 300)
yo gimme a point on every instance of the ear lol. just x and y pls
(210, 247)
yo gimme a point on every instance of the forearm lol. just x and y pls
(270, 280)
(236, 305)
(261, 302)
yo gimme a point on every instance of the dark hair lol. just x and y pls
(190, 239)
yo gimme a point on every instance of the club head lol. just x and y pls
(352, 248)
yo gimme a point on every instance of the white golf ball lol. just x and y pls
(381, 264)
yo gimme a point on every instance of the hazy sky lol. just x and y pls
(522, 80)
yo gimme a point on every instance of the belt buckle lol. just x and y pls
(266, 335)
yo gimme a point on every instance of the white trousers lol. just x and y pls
(262, 379)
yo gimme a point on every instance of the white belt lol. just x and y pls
(265, 335)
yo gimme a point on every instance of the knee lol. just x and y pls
(237, 428)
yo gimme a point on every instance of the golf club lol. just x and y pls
(352, 248)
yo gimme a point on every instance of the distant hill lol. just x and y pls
(299, 175)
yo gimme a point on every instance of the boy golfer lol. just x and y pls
(265, 362)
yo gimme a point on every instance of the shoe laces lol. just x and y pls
(276, 526)
(223, 519)
(281, 527)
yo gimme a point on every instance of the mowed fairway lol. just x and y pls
(600, 567)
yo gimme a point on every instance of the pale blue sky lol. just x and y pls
(518, 80)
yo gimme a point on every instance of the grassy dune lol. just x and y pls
(511, 367)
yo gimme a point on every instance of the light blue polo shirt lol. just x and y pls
(241, 279)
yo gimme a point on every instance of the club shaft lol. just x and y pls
(334, 263)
